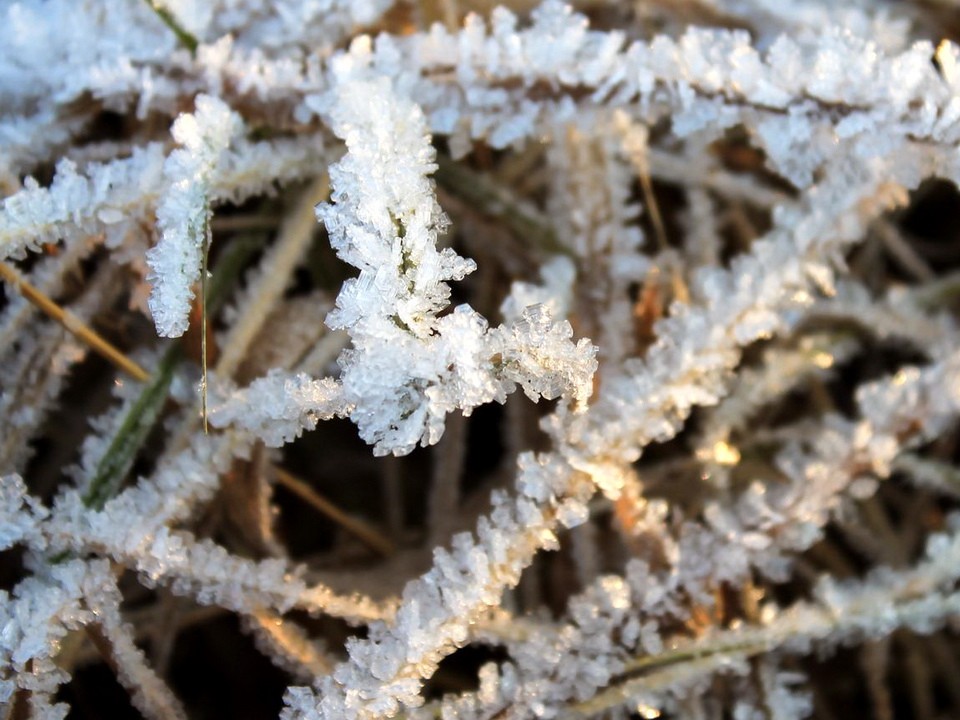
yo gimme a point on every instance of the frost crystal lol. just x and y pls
(408, 367)
(183, 214)
(278, 408)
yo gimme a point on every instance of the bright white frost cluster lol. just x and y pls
(183, 216)
(407, 368)
(691, 219)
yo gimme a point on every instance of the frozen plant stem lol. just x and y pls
(203, 324)
(862, 611)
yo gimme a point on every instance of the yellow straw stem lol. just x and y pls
(363, 532)
(72, 323)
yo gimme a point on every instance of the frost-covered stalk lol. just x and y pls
(408, 366)
(922, 598)
(183, 214)
(437, 610)
(619, 618)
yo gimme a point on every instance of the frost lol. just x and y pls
(663, 239)
(184, 210)
(408, 367)
(19, 512)
(278, 408)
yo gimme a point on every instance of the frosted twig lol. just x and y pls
(920, 598)
(148, 693)
(295, 235)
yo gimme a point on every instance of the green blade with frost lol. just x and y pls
(136, 426)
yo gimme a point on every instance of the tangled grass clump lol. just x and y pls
(427, 359)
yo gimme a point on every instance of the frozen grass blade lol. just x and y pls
(137, 425)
